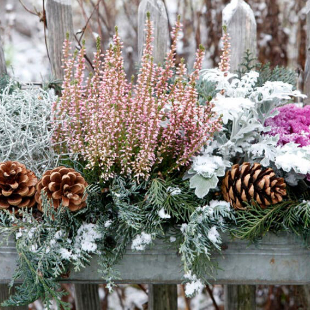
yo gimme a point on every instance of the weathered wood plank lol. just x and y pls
(2, 60)
(241, 26)
(59, 23)
(307, 67)
(163, 297)
(277, 259)
(5, 294)
(160, 24)
(87, 297)
(240, 297)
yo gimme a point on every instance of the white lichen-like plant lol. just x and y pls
(25, 127)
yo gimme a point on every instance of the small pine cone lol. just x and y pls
(17, 186)
(64, 186)
(247, 183)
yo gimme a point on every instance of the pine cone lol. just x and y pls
(246, 183)
(64, 186)
(17, 186)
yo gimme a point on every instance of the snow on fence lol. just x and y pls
(240, 21)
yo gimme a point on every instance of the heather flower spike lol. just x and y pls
(132, 129)
(224, 64)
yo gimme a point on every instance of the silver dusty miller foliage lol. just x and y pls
(26, 127)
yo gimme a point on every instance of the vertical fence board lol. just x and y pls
(307, 67)
(240, 297)
(163, 297)
(160, 24)
(87, 297)
(4, 295)
(59, 23)
(2, 60)
(241, 25)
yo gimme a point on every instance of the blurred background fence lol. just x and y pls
(281, 30)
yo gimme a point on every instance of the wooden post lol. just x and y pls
(307, 67)
(241, 25)
(87, 297)
(4, 295)
(240, 297)
(2, 60)
(163, 297)
(59, 23)
(160, 24)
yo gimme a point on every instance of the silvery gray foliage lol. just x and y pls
(205, 171)
(25, 128)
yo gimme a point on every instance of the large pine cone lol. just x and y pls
(64, 186)
(246, 183)
(17, 186)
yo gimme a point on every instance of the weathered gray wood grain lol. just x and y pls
(279, 259)
(307, 67)
(240, 297)
(2, 60)
(241, 25)
(163, 297)
(59, 23)
(87, 297)
(160, 24)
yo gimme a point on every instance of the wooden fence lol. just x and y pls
(241, 24)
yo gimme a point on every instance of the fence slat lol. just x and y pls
(87, 297)
(241, 25)
(160, 24)
(59, 22)
(163, 297)
(240, 297)
(2, 60)
(307, 66)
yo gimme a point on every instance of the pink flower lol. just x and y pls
(132, 129)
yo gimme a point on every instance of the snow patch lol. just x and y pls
(140, 242)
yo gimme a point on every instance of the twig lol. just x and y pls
(101, 18)
(212, 297)
(87, 19)
(31, 12)
(131, 23)
(143, 289)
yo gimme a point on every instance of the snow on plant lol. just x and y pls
(205, 172)
(194, 285)
(126, 128)
(26, 127)
(162, 214)
(86, 238)
(200, 237)
(140, 242)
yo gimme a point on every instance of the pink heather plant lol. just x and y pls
(224, 64)
(132, 129)
(292, 124)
